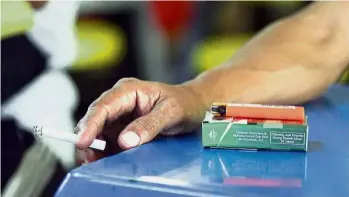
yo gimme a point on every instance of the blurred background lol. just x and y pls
(165, 41)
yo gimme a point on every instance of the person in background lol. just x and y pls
(37, 91)
(292, 61)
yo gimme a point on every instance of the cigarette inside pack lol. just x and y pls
(246, 126)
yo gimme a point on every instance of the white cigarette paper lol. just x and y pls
(66, 136)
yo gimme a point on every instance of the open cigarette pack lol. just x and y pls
(246, 126)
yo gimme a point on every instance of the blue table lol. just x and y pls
(179, 166)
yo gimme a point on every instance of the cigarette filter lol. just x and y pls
(279, 112)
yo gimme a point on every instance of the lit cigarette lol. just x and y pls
(66, 136)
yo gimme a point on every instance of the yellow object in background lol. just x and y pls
(280, 4)
(214, 51)
(101, 44)
(16, 18)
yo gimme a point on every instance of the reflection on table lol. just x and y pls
(255, 169)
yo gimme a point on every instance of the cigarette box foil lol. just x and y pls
(240, 133)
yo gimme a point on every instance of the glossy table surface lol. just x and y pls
(179, 166)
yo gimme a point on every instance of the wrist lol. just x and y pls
(197, 94)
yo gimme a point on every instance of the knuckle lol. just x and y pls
(127, 80)
(93, 105)
(106, 97)
(147, 126)
(95, 123)
(106, 93)
(101, 103)
(112, 92)
(99, 109)
(96, 110)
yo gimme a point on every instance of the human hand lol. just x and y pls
(37, 4)
(133, 112)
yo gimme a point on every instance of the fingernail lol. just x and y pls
(131, 139)
(77, 130)
(80, 127)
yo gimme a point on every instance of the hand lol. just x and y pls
(37, 4)
(133, 112)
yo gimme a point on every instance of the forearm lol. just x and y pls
(292, 61)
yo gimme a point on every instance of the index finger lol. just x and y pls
(90, 125)
(109, 106)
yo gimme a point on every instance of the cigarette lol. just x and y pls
(66, 136)
(280, 112)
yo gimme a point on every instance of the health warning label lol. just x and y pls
(248, 136)
(290, 138)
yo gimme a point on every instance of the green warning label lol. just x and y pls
(248, 136)
(287, 138)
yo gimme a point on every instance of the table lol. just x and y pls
(179, 166)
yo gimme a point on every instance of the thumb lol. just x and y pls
(144, 129)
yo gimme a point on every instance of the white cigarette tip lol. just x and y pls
(98, 144)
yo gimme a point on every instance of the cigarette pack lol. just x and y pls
(247, 133)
